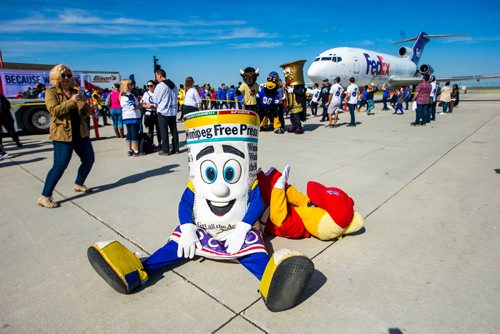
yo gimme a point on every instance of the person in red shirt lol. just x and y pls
(422, 96)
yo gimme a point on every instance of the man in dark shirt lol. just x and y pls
(324, 94)
(422, 96)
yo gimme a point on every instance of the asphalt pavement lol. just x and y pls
(427, 260)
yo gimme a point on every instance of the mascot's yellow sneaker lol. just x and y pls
(285, 279)
(118, 266)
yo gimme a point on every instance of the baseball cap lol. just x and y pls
(325, 80)
(334, 201)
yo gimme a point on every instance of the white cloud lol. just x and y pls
(365, 42)
(71, 21)
(472, 39)
(19, 48)
(245, 33)
(257, 45)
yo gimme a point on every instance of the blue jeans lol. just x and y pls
(384, 99)
(324, 115)
(371, 105)
(352, 108)
(116, 116)
(445, 107)
(133, 132)
(421, 114)
(399, 106)
(62, 156)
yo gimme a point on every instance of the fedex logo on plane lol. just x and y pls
(376, 67)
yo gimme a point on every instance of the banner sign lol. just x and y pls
(14, 81)
(102, 79)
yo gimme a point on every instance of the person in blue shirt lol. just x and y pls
(217, 98)
(203, 96)
(222, 96)
(230, 97)
(407, 96)
(385, 97)
(363, 99)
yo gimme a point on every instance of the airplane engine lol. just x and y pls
(426, 69)
(405, 52)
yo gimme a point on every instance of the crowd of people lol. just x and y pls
(151, 111)
(427, 97)
(157, 105)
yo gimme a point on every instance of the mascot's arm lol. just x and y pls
(186, 205)
(188, 240)
(295, 197)
(255, 206)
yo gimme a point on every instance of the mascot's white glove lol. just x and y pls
(283, 179)
(188, 242)
(236, 238)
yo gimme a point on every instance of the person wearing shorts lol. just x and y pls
(334, 103)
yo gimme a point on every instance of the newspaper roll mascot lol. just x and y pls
(325, 213)
(217, 211)
(295, 93)
(268, 105)
(249, 88)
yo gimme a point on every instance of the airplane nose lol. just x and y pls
(316, 72)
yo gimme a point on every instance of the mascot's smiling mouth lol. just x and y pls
(220, 208)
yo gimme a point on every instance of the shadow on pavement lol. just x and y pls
(19, 162)
(126, 180)
(42, 150)
(317, 281)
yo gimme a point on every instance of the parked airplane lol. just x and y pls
(375, 68)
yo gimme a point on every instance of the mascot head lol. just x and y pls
(330, 212)
(333, 200)
(273, 80)
(249, 75)
(294, 74)
(222, 156)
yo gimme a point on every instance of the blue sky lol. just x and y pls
(211, 41)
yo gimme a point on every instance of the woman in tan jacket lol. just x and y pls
(445, 97)
(68, 132)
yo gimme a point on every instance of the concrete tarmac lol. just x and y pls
(426, 262)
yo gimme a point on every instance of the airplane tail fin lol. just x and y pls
(421, 40)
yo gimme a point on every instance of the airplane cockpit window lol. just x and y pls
(334, 59)
(339, 59)
(326, 58)
(317, 58)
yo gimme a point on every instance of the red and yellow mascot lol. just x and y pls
(325, 212)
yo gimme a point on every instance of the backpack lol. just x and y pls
(145, 144)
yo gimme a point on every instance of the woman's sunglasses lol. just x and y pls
(69, 76)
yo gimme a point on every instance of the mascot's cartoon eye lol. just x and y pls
(287, 71)
(232, 171)
(208, 171)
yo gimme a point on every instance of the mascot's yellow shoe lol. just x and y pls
(118, 266)
(285, 279)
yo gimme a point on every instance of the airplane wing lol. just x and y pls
(470, 77)
(405, 81)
